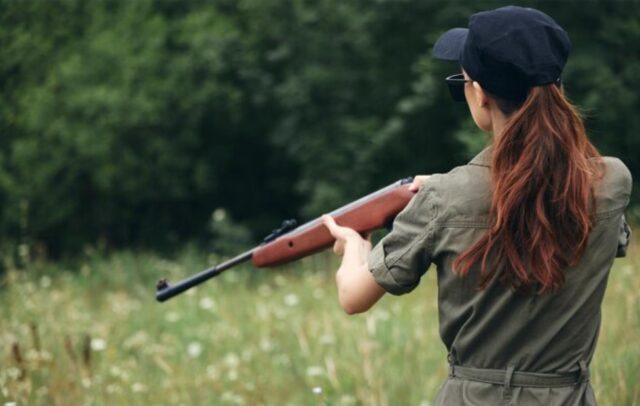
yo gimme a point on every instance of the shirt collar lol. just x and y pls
(483, 158)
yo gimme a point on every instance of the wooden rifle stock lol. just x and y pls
(369, 213)
(288, 243)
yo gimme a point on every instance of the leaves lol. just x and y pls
(129, 122)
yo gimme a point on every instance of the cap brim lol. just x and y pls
(450, 44)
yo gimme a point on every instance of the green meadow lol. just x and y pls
(92, 334)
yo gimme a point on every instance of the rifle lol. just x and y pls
(290, 242)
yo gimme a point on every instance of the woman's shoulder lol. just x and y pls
(463, 193)
(613, 188)
(616, 171)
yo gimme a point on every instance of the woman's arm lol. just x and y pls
(357, 289)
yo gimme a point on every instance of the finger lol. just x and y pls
(415, 185)
(338, 247)
(417, 182)
(330, 223)
(366, 238)
(336, 231)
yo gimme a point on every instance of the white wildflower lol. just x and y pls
(232, 277)
(45, 355)
(23, 250)
(262, 312)
(250, 386)
(280, 313)
(113, 388)
(119, 373)
(85, 270)
(121, 304)
(266, 345)
(264, 290)
(45, 282)
(291, 299)
(172, 317)
(327, 339)
(194, 349)
(382, 315)
(396, 308)
(317, 390)
(232, 360)
(280, 280)
(232, 398)
(219, 214)
(98, 344)
(206, 303)
(32, 355)
(371, 324)
(346, 400)
(212, 372)
(315, 370)
(136, 340)
(138, 387)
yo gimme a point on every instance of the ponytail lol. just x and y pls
(542, 176)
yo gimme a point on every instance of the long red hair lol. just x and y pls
(542, 175)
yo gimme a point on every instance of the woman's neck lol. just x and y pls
(498, 122)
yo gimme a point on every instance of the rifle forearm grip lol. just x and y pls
(372, 212)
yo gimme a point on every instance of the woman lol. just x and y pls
(523, 236)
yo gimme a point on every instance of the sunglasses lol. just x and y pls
(456, 86)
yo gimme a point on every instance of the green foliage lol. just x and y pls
(127, 123)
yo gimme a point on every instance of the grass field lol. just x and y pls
(94, 335)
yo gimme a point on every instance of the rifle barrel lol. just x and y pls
(164, 291)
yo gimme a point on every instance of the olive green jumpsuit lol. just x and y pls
(504, 347)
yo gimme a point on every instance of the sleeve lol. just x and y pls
(624, 235)
(400, 259)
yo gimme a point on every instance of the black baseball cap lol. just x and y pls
(508, 50)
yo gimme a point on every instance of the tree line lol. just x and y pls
(128, 123)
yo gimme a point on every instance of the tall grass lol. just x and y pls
(95, 335)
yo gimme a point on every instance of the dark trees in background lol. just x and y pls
(129, 123)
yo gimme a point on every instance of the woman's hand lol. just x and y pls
(357, 289)
(418, 180)
(343, 235)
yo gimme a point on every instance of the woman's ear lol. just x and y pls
(481, 96)
(478, 103)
